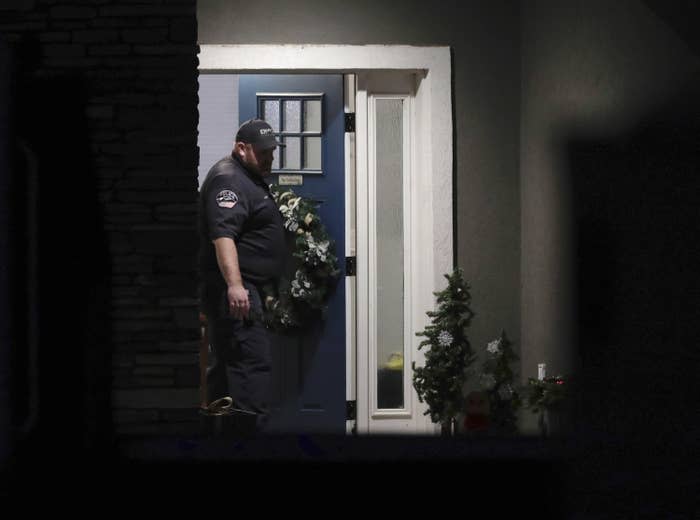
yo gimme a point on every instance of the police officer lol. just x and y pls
(241, 249)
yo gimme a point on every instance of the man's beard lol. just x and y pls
(256, 169)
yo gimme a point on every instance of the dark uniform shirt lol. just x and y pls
(237, 204)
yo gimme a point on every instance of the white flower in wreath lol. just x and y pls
(316, 249)
(494, 347)
(301, 285)
(312, 249)
(323, 246)
(285, 195)
(322, 249)
(308, 219)
(292, 225)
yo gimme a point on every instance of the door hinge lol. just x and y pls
(350, 266)
(350, 410)
(349, 122)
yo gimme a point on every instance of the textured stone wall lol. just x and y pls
(134, 64)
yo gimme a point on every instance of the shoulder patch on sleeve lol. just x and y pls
(226, 199)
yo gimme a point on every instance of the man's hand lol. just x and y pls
(227, 258)
(238, 303)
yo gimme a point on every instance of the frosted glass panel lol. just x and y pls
(276, 157)
(292, 116)
(312, 153)
(390, 264)
(271, 114)
(312, 116)
(292, 156)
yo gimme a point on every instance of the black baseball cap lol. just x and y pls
(258, 133)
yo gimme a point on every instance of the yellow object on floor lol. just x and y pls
(395, 361)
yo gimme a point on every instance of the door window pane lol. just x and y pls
(312, 153)
(312, 116)
(292, 153)
(390, 246)
(292, 116)
(271, 114)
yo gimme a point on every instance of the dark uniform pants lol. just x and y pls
(241, 362)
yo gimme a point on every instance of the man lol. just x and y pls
(241, 250)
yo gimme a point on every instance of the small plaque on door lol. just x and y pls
(291, 180)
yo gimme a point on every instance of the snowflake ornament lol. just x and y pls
(494, 347)
(445, 339)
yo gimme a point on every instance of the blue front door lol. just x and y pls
(308, 390)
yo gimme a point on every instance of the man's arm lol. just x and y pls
(227, 257)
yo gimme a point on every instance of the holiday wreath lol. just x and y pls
(304, 288)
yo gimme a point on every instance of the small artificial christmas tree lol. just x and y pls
(496, 379)
(550, 398)
(439, 383)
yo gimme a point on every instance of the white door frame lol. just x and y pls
(432, 183)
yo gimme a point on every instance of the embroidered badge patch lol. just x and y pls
(226, 199)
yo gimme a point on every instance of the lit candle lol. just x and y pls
(541, 371)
